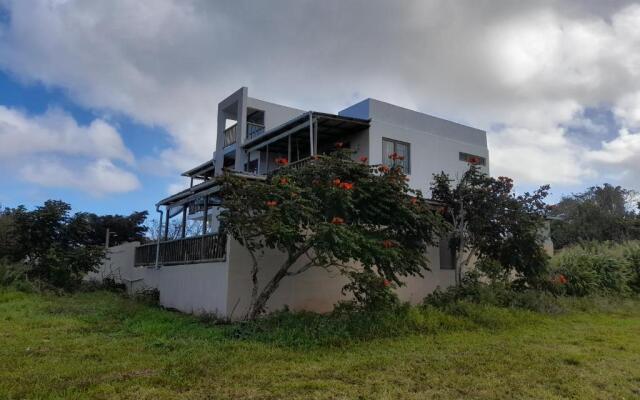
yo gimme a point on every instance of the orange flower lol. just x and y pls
(337, 221)
(387, 244)
(386, 283)
(271, 203)
(284, 181)
(346, 185)
(339, 145)
(400, 158)
(363, 159)
(393, 156)
(336, 182)
(560, 280)
(414, 200)
(281, 161)
(383, 169)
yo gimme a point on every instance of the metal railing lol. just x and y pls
(230, 135)
(295, 165)
(254, 130)
(197, 249)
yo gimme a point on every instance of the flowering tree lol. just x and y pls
(488, 221)
(329, 213)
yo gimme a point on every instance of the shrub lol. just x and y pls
(632, 255)
(592, 268)
(475, 290)
(370, 291)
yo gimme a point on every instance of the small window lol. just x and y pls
(396, 153)
(447, 254)
(472, 159)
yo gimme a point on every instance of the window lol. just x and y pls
(396, 153)
(471, 159)
(447, 254)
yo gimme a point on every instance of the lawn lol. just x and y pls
(100, 345)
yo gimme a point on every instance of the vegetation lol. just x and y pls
(329, 214)
(47, 246)
(491, 223)
(601, 213)
(100, 345)
(50, 247)
(598, 268)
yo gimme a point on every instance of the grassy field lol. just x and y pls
(100, 345)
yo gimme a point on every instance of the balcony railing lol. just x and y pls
(230, 135)
(198, 249)
(254, 130)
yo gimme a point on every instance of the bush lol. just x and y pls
(632, 255)
(370, 291)
(501, 293)
(594, 268)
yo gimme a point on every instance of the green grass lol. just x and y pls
(100, 345)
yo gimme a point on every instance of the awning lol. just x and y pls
(330, 126)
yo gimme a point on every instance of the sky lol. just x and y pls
(104, 103)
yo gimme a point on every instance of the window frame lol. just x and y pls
(395, 142)
(464, 157)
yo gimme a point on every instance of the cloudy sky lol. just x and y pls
(103, 103)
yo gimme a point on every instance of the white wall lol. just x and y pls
(118, 265)
(316, 289)
(274, 114)
(191, 288)
(435, 142)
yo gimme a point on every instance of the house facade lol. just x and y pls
(198, 270)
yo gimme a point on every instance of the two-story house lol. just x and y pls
(197, 270)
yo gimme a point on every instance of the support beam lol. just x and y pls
(183, 232)
(166, 225)
(315, 136)
(204, 214)
(267, 159)
(311, 152)
(289, 149)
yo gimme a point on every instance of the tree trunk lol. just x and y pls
(260, 302)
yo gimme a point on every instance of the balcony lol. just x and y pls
(198, 249)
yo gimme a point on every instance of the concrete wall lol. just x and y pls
(191, 288)
(274, 114)
(316, 289)
(118, 265)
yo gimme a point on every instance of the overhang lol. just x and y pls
(328, 126)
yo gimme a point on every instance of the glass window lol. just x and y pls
(471, 159)
(396, 153)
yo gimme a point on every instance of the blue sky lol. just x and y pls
(103, 104)
(143, 140)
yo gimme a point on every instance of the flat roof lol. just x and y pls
(200, 170)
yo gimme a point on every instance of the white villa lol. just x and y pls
(197, 270)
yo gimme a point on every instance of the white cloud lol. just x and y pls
(529, 67)
(52, 150)
(57, 132)
(97, 178)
